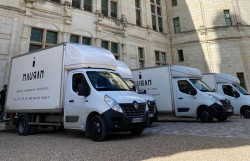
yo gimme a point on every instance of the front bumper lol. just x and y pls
(116, 121)
(221, 111)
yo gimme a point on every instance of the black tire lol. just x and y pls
(151, 121)
(137, 131)
(246, 113)
(97, 128)
(205, 115)
(221, 119)
(23, 127)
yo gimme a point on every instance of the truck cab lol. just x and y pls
(179, 91)
(229, 86)
(80, 90)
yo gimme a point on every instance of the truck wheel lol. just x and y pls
(221, 119)
(23, 127)
(205, 115)
(246, 112)
(137, 131)
(97, 128)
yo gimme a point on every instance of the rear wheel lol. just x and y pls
(246, 112)
(97, 128)
(23, 127)
(221, 119)
(205, 115)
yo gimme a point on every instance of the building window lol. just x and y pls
(41, 38)
(242, 80)
(174, 3)
(57, 1)
(83, 4)
(156, 15)
(160, 58)
(227, 18)
(86, 40)
(76, 3)
(141, 57)
(87, 5)
(74, 39)
(138, 12)
(109, 11)
(105, 45)
(111, 46)
(181, 56)
(177, 25)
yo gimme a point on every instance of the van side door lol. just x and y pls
(233, 95)
(185, 101)
(76, 104)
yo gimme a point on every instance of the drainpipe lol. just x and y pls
(169, 31)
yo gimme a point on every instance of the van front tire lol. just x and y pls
(246, 112)
(221, 119)
(97, 128)
(205, 115)
(137, 131)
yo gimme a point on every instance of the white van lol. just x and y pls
(74, 86)
(126, 74)
(229, 86)
(179, 91)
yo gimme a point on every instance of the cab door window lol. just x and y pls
(185, 87)
(79, 82)
(229, 90)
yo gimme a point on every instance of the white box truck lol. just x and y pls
(179, 91)
(229, 86)
(74, 86)
(126, 74)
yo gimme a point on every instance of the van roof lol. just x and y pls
(179, 71)
(85, 56)
(224, 78)
(123, 70)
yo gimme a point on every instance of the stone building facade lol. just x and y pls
(212, 35)
(143, 33)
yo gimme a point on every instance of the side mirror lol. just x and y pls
(236, 94)
(193, 92)
(144, 92)
(214, 90)
(134, 88)
(83, 90)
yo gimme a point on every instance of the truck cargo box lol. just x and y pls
(36, 81)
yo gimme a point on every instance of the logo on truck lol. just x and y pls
(34, 74)
(143, 82)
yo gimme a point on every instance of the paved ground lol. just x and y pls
(233, 127)
(164, 141)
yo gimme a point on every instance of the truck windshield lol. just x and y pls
(107, 81)
(241, 89)
(200, 85)
(130, 83)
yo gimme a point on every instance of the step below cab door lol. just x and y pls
(76, 104)
(184, 98)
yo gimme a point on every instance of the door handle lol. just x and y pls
(180, 98)
(71, 101)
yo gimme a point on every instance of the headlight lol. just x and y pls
(112, 103)
(215, 99)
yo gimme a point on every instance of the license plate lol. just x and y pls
(151, 115)
(136, 120)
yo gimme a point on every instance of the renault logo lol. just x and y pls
(135, 105)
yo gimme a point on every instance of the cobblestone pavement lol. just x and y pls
(233, 127)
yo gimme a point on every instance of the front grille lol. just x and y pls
(130, 110)
(226, 104)
(151, 108)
